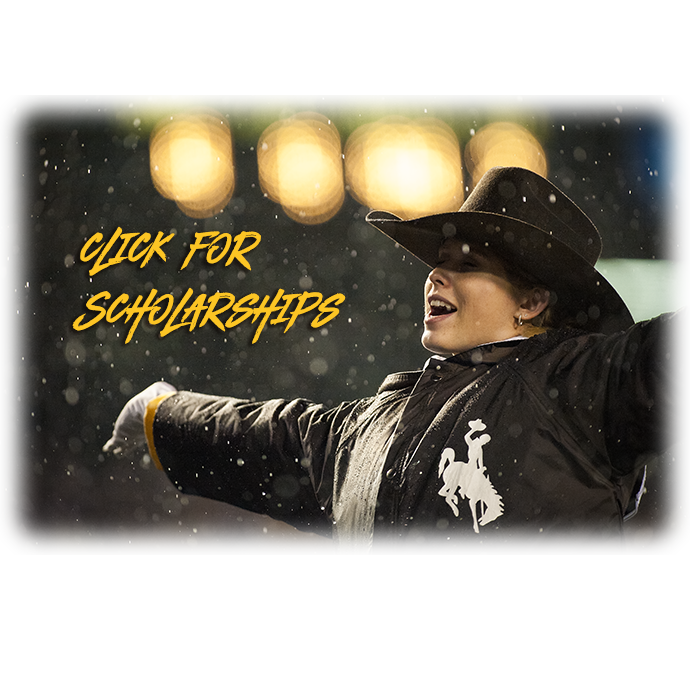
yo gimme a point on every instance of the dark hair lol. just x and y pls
(553, 316)
(524, 281)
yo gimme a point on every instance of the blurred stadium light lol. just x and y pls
(301, 167)
(503, 143)
(191, 162)
(407, 167)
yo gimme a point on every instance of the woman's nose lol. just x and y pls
(437, 276)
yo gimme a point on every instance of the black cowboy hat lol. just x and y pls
(526, 220)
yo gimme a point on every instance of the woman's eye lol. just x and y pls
(455, 264)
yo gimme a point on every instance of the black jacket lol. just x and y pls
(542, 435)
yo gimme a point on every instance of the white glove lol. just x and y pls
(128, 432)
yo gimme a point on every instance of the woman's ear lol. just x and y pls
(534, 302)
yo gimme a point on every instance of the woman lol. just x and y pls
(536, 414)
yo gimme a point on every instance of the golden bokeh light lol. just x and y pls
(408, 167)
(505, 144)
(301, 168)
(191, 162)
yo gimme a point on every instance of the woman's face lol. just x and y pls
(469, 301)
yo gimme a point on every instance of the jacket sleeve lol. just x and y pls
(274, 457)
(639, 405)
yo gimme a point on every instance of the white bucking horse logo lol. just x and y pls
(469, 479)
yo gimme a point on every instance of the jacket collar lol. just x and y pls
(490, 353)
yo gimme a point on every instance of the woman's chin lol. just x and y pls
(433, 345)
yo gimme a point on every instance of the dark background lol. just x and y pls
(86, 171)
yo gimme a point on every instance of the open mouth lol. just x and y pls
(439, 307)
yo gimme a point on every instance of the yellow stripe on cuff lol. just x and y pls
(149, 415)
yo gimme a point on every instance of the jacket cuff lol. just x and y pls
(149, 416)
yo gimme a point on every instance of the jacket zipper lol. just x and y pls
(397, 475)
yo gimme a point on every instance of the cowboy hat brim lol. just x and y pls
(580, 294)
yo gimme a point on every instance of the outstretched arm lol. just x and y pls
(640, 401)
(275, 457)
